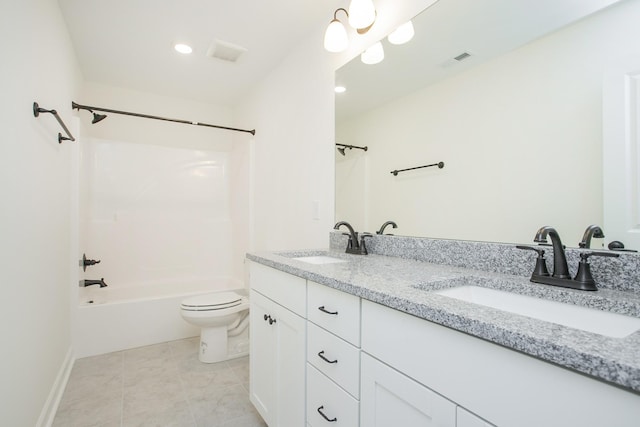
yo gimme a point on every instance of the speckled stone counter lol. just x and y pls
(408, 284)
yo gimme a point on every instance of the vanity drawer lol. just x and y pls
(323, 395)
(336, 311)
(342, 362)
(286, 289)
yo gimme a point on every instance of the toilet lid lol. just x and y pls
(215, 301)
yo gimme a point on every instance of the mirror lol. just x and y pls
(517, 123)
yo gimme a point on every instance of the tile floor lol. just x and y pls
(159, 385)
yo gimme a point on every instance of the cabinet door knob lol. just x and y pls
(331, 420)
(322, 309)
(266, 317)
(271, 320)
(321, 355)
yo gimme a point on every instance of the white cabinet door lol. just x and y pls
(290, 367)
(467, 419)
(277, 363)
(390, 399)
(262, 358)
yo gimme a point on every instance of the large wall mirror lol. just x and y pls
(518, 122)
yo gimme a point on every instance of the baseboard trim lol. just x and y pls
(48, 412)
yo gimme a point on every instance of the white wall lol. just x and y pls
(521, 137)
(293, 150)
(36, 262)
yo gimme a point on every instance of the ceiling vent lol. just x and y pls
(455, 60)
(225, 51)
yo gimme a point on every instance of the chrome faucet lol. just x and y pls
(87, 282)
(353, 246)
(591, 231)
(391, 223)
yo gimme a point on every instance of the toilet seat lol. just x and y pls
(212, 302)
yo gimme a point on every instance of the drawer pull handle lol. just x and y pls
(322, 309)
(331, 420)
(321, 355)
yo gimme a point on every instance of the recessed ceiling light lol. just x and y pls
(183, 48)
(340, 89)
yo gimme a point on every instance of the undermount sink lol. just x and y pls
(320, 259)
(587, 319)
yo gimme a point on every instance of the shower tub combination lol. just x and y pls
(118, 318)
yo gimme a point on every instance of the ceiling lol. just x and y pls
(129, 43)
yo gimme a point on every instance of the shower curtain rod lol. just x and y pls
(79, 107)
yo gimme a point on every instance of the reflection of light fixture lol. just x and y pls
(373, 54)
(361, 15)
(402, 34)
(335, 38)
(340, 89)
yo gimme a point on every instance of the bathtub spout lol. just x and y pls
(87, 282)
(237, 327)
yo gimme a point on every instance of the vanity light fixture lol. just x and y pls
(362, 13)
(361, 16)
(335, 38)
(373, 54)
(402, 34)
(182, 48)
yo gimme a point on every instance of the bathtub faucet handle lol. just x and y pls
(88, 262)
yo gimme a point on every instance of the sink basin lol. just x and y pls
(577, 317)
(320, 259)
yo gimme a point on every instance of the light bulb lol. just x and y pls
(362, 13)
(373, 55)
(335, 38)
(340, 89)
(402, 34)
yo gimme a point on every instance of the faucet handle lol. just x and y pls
(363, 246)
(584, 269)
(585, 255)
(541, 263)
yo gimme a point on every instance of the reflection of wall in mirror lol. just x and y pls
(521, 137)
(351, 188)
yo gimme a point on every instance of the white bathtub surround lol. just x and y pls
(156, 214)
(121, 318)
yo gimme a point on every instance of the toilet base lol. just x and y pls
(237, 346)
(213, 345)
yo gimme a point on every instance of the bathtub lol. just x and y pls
(119, 318)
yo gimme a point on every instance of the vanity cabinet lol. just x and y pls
(333, 357)
(277, 338)
(503, 386)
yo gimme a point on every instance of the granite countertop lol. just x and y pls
(407, 285)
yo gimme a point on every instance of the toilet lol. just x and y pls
(219, 315)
